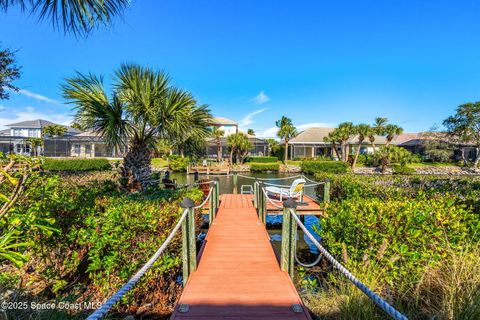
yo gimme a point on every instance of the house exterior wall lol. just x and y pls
(26, 132)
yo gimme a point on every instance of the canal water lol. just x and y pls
(305, 247)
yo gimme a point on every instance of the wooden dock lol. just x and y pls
(208, 170)
(238, 275)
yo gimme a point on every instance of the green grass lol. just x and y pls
(434, 164)
(159, 163)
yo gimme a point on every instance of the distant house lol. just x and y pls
(226, 125)
(310, 143)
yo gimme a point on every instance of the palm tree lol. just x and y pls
(378, 128)
(333, 138)
(363, 131)
(34, 143)
(143, 108)
(272, 146)
(392, 130)
(239, 145)
(286, 131)
(217, 134)
(76, 16)
(251, 132)
(344, 131)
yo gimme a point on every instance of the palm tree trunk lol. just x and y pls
(477, 157)
(334, 146)
(136, 170)
(354, 163)
(219, 150)
(231, 156)
(286, 152)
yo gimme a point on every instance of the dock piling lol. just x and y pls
(289, 237)
(189, 250)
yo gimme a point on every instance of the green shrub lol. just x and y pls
(258, 159)
(74, 165)
(178, 164)
(263, 167)
(313, 166)
(399, 169)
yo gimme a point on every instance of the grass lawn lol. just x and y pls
(434, 164)
(292, 162)
(159, 163)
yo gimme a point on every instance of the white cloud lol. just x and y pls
(267, 133)
(260, 98)
(315, 124)
(2, 107)
(29, 113)
(37, 96)
(248, 119)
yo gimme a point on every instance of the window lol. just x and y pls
(76, 149)
(17, 132)
(32, 132)
(88, 150)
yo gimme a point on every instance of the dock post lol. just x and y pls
(212, 203)
(255, 194)
(217, 194)
(326, 191)
(262, 203)
(189, 249)
(289, 237)
(235, 183)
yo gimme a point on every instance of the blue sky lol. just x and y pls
(317, 62)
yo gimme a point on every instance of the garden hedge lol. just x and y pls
(312, 166)
(264, 159)
(262, 167)
(73, 165)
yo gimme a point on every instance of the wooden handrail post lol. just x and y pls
(326, 191)
(255, 194)
(262, 203)
(217, 194)
(212, 203)
(235, 183)
(189, 249)
(289, 237)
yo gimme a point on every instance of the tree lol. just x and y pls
(343, 133)
(333, 138)
(34, 143)
(363, 130)
(378, 128)
(392, 130)
(251, 132)
(286, 131)
(76, 16)
(76, 125)
(465, 125)
(239, 145)
(54, 130)
(143, 108)
(273, 146)
(9, 72)
(217, 134)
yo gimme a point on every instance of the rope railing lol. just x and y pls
(268, 179)
(107, 305)
(384, 305)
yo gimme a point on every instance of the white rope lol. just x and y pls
(270, 200)
(267, 179)
(107, 305)
(385, 306)
(206, 199)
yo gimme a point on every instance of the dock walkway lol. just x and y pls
(238, 275)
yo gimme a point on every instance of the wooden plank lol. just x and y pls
(311, 207)
(238, 275)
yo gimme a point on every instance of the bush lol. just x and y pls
(75, 165)
(386, 156)
(312, 166)
(262, 167)
(258, 159)
(178, 164)
(399, 169)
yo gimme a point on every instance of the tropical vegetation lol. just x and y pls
(286, 131)
(144, 107)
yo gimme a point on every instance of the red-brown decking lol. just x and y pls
(238, 276)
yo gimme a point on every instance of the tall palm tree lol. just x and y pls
(392, 130)
(344, 131)
(143, 108)
(286, 131)
(363, 130)
(217, 134)
(378, 128)
(76, 16)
